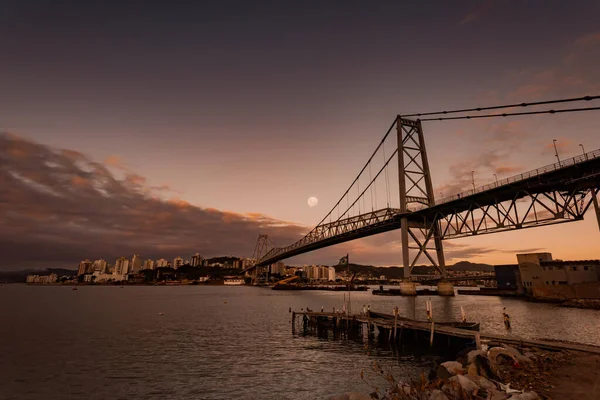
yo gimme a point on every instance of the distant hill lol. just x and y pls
(19, 276)
(395, 272)
(222, 260)
(463, 266)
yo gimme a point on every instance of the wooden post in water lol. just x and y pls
(431, 336)
(293, 322)
(395, 323)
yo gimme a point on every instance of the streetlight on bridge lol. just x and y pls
(556, 152)
(583, 150)
(496, 178)
(473, 180)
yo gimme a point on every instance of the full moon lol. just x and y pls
(312, 201)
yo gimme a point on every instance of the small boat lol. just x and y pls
(74, 288)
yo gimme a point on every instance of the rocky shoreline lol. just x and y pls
(499, 372)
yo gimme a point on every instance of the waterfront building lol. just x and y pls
(278, 268)
(84, 267)
(43, 279)
(196, 260)
(237, 264)
(161, 263)
(177, 262)
(247, 262)
(545, 278)
(331, 276)
(233, 280)
(136, 264)
(99, 265)
(121, 266)
(148, 264)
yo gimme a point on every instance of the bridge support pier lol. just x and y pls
(408, 288)
(445, 288)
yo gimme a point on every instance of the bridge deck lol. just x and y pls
(569, 175)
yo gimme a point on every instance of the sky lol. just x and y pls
(170, 129)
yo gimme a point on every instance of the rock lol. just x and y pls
(474, 353)
(496, 395)
(483, 383)
(437, 394)
(499, 356)
(465, 383)
(525, 396)
(523, 359)
(449, 369)
(352, 396)
(480, 367)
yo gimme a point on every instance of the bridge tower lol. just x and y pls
(416, 188)
(263, 245)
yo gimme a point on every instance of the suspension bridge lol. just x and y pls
(552, 194)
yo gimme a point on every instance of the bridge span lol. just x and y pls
(556, 193)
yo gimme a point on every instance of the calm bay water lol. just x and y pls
(217, 342)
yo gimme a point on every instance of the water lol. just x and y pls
(217, 342)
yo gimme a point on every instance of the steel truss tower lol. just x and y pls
(416, 188)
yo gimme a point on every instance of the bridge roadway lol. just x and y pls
(570, 175)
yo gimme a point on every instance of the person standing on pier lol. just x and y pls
(506, 318)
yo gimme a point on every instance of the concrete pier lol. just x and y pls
(408, 288)
(445, 288)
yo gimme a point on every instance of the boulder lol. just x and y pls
(465, 383)
(483, 383)
(480, 367)
(437, 394)
(474, 353)
(525, 396)
(352, 396)
(449, 369)
(522, 359)
(500, 358)
(496, 395)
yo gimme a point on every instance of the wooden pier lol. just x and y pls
(404, 331)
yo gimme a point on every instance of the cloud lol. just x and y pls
(589, 39)
(60, 206)
(482, 9)
(563, 146)
(574, 74)
(488, 162)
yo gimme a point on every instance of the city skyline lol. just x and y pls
(190, 134)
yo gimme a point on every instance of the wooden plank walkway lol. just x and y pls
(405, 323)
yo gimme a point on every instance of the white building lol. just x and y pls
(161, 263)
(121, 266)
(237, 263)
(148, 264)
(84, 267)
(278, 268)
(247, 262)
(99, 265)
(52, 278)
(331, 274)
(177, 262)
(196, 260)
(136, 264)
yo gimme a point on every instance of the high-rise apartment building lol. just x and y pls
(148, 264)
(161, 263)
(99, 265)
(177, 262)
(136, 264)
(121, 266)
(85, 267)
(196, 260)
